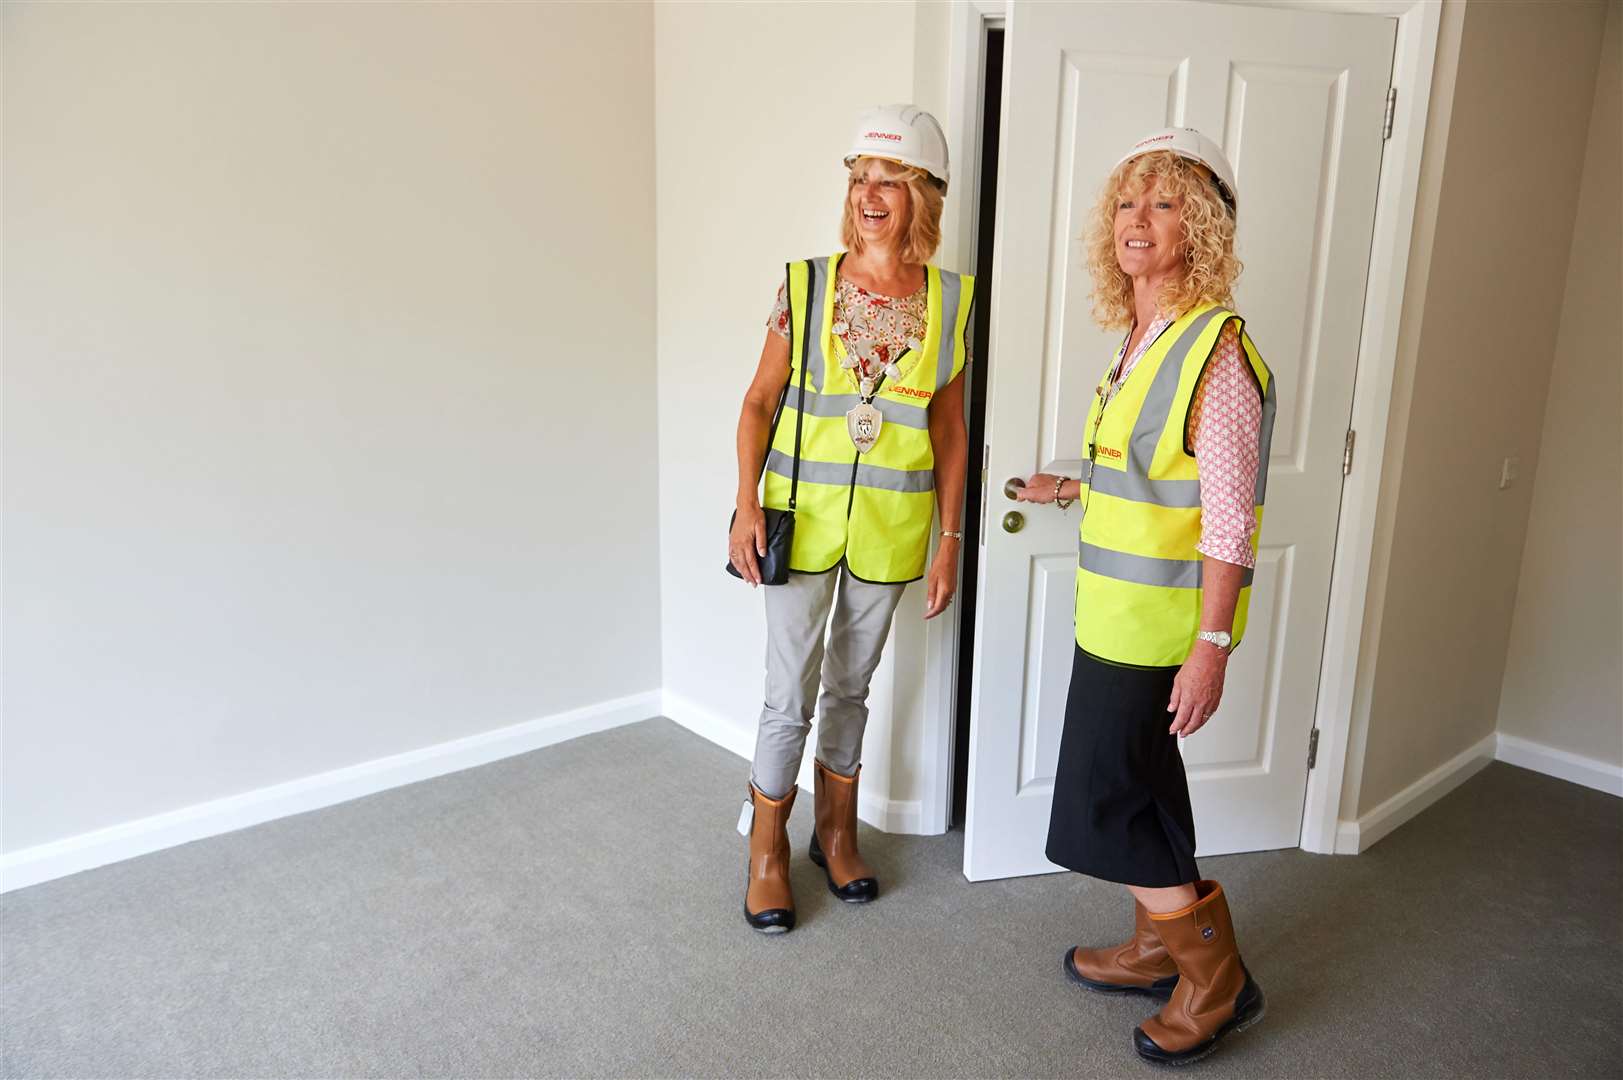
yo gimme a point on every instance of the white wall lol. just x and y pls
(754, 107)
(1565, 669)
(329, 422)
(1487, 273)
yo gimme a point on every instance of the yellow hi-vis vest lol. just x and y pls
(873, 510)
(1138, 573)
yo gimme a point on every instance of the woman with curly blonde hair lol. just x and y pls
(1176, 458)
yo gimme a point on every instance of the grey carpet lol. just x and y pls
(575, 912)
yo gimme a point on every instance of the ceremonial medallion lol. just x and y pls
(864, 422)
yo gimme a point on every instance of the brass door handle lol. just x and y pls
(1014, 521)
(1012, 485)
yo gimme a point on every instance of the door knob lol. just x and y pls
(1014, 521)
(1012, 485)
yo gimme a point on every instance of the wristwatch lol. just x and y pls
(1220, 638)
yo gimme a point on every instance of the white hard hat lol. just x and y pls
(904, 133)
(1191, 144)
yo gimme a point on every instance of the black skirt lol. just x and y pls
(1121, 799)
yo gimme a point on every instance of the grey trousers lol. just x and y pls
(797, 614)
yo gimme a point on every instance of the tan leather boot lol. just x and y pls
(834, 840)
(769, 903)
(1140, 965)
(1215, 996)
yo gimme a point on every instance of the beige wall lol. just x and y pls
(329, 424)
(308, 315)
(933, 22)
(1565, 670)
(752, 121)
(1472, 381)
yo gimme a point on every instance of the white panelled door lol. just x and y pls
(1297, 98)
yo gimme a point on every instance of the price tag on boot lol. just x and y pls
(746, 820)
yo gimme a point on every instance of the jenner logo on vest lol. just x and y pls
(909, 391)
(1109, 452)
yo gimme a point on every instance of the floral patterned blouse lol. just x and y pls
(877, 328)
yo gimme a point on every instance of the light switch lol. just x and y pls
(1509, 472)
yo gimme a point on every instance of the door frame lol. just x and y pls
(1344, 681)
(966, 67)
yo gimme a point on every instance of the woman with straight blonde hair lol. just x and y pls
(856, 418)
(1176, 459)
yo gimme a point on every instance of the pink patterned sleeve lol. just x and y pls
(1226, 418)
(778, 321)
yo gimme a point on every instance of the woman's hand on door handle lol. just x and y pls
(1046, 488)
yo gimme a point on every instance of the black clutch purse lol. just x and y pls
(780, 540)
(780, 524)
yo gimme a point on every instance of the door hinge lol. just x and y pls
(1391, 112)
(1313, 748)
(1347, 452)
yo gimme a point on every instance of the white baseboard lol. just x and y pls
(1354, 837)
(1346, 837)
(1590, 772)
(44, 862)
(738, 735)
(905, 817)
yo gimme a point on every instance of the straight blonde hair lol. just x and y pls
(923, 210)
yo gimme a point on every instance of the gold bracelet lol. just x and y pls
(1063, 504)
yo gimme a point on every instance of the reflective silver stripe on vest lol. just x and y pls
(913, 481)
(1157, 408)
(871, 476)
(835, 406)
(952, 289)
(1144, 570)
(1265, 438)
(815, 284)
(1132, 486)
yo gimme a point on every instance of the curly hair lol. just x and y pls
(1210, 265)
(924, 211)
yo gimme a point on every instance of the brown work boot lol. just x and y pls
(1139, 965)
(769, 903)
(834, 840)
(1215, 996)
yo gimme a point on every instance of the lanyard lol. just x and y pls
(1106, 394)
